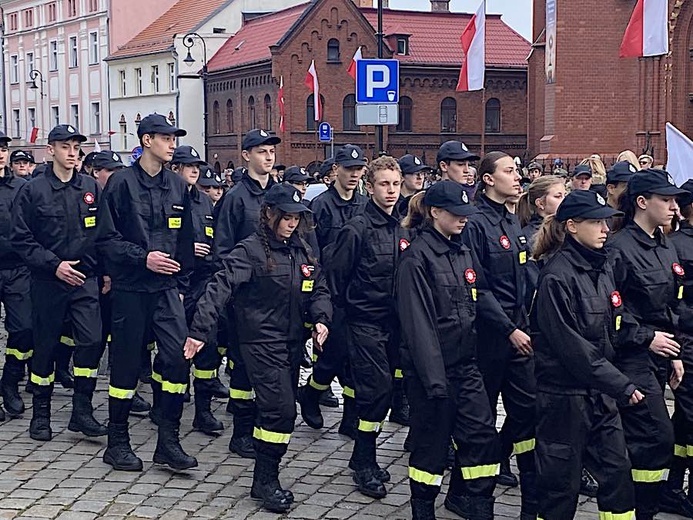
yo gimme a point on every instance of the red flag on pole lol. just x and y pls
(473, 44)
(281, 103)
(33, 135)
(647, 31)
(352, 66)
(312, 83)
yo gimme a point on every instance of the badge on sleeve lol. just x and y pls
(209, 231)
(504, 242)
(678, 269)
(307, 270)
(174, 222)
(403, 244)
(470, 275)
(522, 257)
(89, 198)
(616, 300)
(307, 285)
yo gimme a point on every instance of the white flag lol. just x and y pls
(680, 155)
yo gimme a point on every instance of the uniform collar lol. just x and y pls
(148, 181)
(194, 194)
(494, 211)
(646, 240)
(339, 201)
(438, 242)
(57, 184)
(8, 178)
(254, 186)
(378, 216)
(686, 228)
(582, 257)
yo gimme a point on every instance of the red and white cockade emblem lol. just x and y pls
(470, 276)
(307, 270)
(505, 242)
(678, 270)
(89, 198)
(616, 299)
(403, 244)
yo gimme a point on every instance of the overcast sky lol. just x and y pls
(516, 13)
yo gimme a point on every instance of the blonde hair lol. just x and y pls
(418, 213)
(628, 155)
(598, 169)
(549, 239)
(526, 206)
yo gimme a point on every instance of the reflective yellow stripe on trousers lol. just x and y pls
(606, 515)
(348, 392)
(204, 374)
(370, 426)
(649, 475)
(317, 386)
(424, 477)
(120, 393)
(272, 437)
(683, 451)
(65, 340)
(85, 372)
(42, 381)
(243, 395)
(487, 470)
(21, 356)
(524, 446)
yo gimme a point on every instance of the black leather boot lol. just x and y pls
(350, 419)
(139, 405)
(266, 485)
(423, 509)
(363, 462)
(119, 454)
(218, 389)
(40, 425)
(9, 387)
(82, 418)
(328, 399)
(168, 449)
(399, 412)
(242, 439)
(506, 477)
(673, 499)
(308, 398)
(204, 421)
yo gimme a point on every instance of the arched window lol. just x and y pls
(217, 167)
(333, 50)
(215, 117)
(229, 116)
(405, 109)
(268, 112)
(493, 116)
(448, 115)
(252, 123)
(311, 124)
(349, 114)
(124, 131)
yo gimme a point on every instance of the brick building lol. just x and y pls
(244, 80)
(598, 102)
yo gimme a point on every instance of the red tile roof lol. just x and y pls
(184, 16)
(504, 46)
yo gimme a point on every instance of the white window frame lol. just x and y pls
(94, 48)
(155, 79)
(172, 77)
(14, 69)
(73, 43)
(53, 55)
(96, 118)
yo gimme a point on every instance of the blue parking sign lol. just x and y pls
(325, 132)
(377, 81)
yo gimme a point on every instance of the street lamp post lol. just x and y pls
(189, 42)
(33, 75)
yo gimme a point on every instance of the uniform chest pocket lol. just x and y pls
(654, 286)
(51, 215)
(88, 217)
(173, 216)
(380, 259)
(501, 260)
(593, 311)
(447, 292)
(142, 209)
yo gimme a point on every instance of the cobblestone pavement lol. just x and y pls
(66, 479)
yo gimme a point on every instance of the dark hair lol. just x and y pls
(418, 213)
(488, 165)
(269, 223)
(626, 204)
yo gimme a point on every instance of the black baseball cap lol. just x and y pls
(280, 167)
(410, 164)
(238, 173)
(89, 159)
(585, 204)
(455, 151)
(285, 198)
(21, 155)
(209, 177)
(535, 166)
(582, 169)
(685, 200)
(450, 196)
(158, 124)
(657, 182)
(326, 167)
(186, 154)
(349, 156)
(65, 133)
(258, 137)
(622, 171)
(295, 174)
(4, 138)
(107, 160)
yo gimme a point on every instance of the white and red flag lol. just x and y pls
(474, 46)
(312, 83)
(647, 33)
(281, 103)
(352, 66)
(33, 135)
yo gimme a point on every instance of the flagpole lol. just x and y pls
(483, 121)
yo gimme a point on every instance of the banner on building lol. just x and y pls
(550, 60)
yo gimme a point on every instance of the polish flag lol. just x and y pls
(33, 135)
(312, 83)
(281, 103)
(352, 66)
(647, 31)
(473, 44)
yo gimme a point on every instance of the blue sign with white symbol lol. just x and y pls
(325, 132)
(377, 81)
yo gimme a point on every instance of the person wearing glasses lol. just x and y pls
(413, 173)
(645, 161)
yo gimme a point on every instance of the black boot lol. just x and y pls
(308, 398)
(471, 508)
(40, 425)
(168, 449)
(328, 399)
(588, 485)
(266, 485)
(63, 353)
(350, 419)
(242, 439)
(9, 387)
(82, 419)
(529, 496)
(673, 499)
(363, 462)
(139, 405)
(399, 412)
(423, 509)
(119, 454)
(218, 389)
(361, 456)
(506, 477)
(204, 421)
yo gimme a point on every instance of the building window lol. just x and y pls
(155, 78)
(52, 12)
(216, 118)
(172, 77)
(14, 69)
(493, 116)
(71, 8)
(15, 119)
(310, 111)
(31, 112)
(29, 65)
(93, 6)
(138, 80)
(349, 114)
(333, 50)
(402, 45)
(74, 116)
(73, 51)
(123, 132)
(96, 118)
(55, 115)
(13, 21)
(268, 112)
(93, 48)
(251, 113)
(28, 18)
(448, 115)
(138, 119)
(229, 116)
(123, 83)
(405, 109)
(53, 55)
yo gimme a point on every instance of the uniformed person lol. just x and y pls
(298, 177)
(210, 184)
(54, 225)
(274, 281)
(14, 288)
(331, 210)
(146, 239)
(454, 163)
(648, 277)
(436, 286)
(581, 178)
(574, 320)
(20, 162)
(505, 353)
(617, 178)
(413, 173)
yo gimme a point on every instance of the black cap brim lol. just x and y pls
(209, 183)
(669, 191)
(187, 161)
(272, 140)
(109, 166)
(294, 207)
(301, 178)
(351, 163)
(417, 169)
(460, 157)
(461, 210)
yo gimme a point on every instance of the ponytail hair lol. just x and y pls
(488, 165)
(549, 239)
(627, 205)
(527, 206)
(418, 213)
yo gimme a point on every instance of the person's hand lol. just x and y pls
(162, 263)
(192, 347)
(67, 274)
(522, 342)
(676, 374)
(106, 285)
(202, 249)
(320, 334)
(664, 345)
(636, 397)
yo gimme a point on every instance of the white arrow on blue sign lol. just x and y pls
(325, 132)
(377, 81)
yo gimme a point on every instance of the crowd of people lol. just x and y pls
(428, 293)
